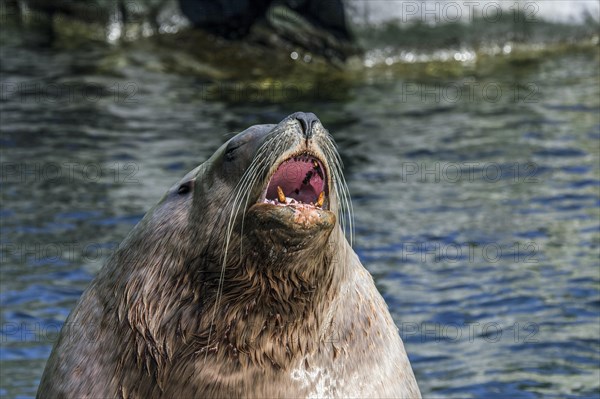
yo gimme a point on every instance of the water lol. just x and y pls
(476, 198)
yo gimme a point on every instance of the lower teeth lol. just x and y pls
(289, 201)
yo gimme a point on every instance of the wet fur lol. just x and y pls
(164, 318)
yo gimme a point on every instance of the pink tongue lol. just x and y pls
(307, 194)
(290, 177)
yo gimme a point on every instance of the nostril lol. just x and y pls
(307, 120)
(306, 127)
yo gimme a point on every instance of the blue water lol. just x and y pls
(479, 218)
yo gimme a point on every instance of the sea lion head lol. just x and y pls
(274, 187)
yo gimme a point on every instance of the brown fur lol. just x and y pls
(299, 316)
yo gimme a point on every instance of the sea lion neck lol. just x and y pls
(286, 275)
(276, 307)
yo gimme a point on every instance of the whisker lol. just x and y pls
(276, 143)
(242, 192)
(341, 187)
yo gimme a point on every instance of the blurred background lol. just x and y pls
(469, 130)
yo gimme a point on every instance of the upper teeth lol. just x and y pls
(280, 195)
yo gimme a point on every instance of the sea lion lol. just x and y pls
(239, 283)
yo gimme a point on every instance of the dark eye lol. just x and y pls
(230, 152)
(185, 188)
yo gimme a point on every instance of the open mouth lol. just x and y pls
(299, 180)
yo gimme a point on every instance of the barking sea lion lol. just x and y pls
(238, 283)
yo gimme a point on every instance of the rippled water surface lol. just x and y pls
(476, 205)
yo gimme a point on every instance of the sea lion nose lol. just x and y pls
(307, 120)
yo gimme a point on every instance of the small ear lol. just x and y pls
(185, 187)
